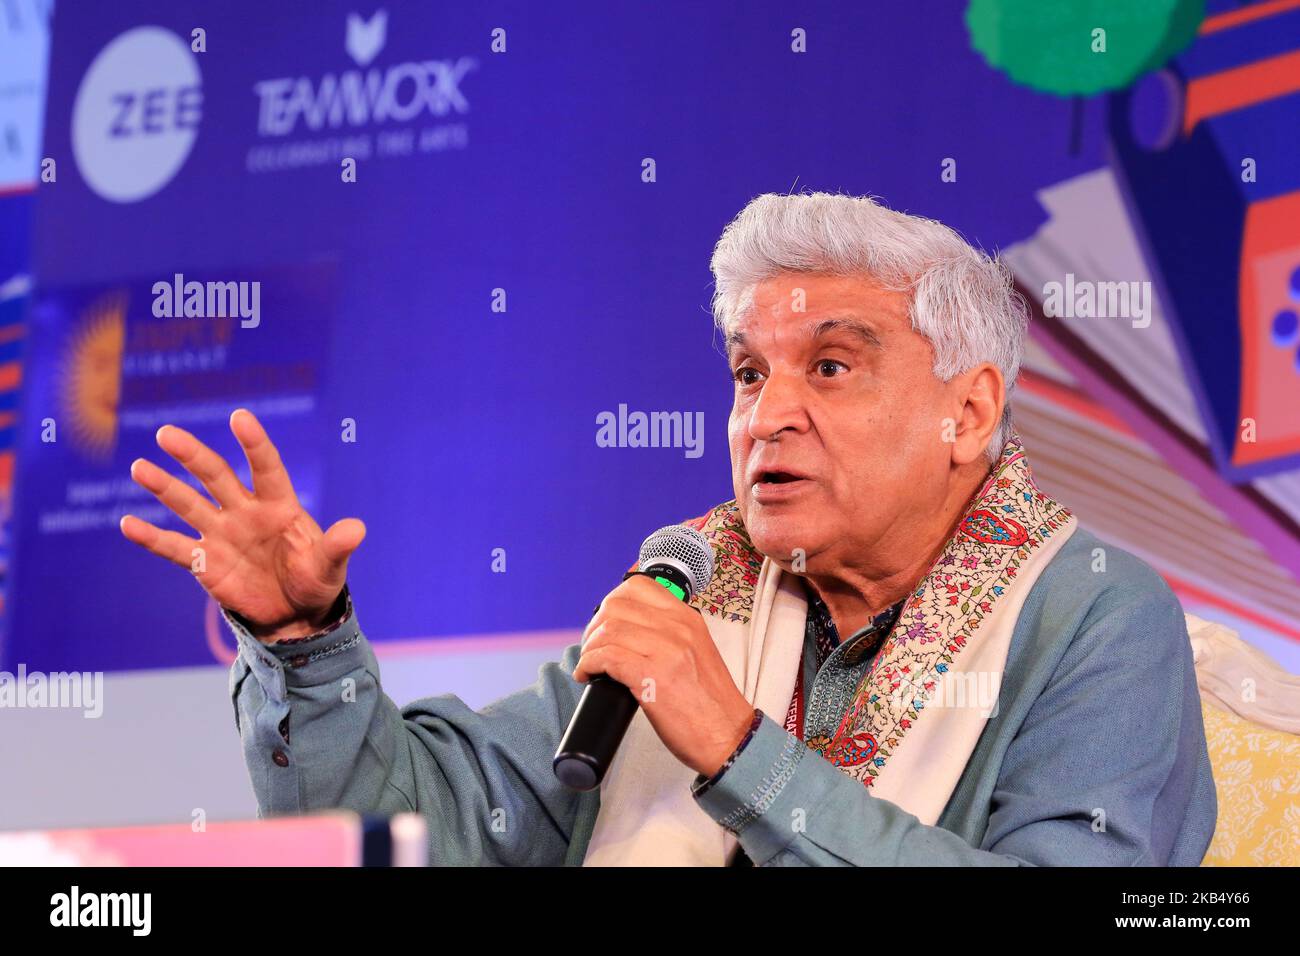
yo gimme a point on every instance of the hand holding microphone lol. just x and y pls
(645, 647)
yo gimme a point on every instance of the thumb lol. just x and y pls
(342, 538)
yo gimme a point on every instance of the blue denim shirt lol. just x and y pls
(1095, 754)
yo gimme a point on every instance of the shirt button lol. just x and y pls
(298, 660)
(280, 757)
(284, 728)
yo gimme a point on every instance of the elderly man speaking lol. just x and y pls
(909, 653)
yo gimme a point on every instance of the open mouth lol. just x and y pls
(773, 485)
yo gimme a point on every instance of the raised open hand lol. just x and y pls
(258, 553)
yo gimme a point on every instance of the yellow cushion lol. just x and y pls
(1257, 778)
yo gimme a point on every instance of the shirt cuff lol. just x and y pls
(306, 661)
(703, 783)
(761, 798)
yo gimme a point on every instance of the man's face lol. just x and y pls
(836, 429)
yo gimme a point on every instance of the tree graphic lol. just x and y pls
(1082, 47)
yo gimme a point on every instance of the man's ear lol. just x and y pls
(983, 395)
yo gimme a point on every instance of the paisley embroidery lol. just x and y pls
(853, 750)
(730, 594)
(987, 527)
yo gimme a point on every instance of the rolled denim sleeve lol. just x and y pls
(1108, 767)
(318, 732)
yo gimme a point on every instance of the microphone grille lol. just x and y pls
(684, 547)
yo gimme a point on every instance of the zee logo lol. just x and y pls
(137, 114)
(155, 111)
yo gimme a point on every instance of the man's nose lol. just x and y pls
(780, 405)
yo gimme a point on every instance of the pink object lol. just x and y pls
(328, 839)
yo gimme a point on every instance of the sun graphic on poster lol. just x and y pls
(92, 376)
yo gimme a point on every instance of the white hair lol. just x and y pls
(960, 299)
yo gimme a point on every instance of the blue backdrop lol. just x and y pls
(476, 171)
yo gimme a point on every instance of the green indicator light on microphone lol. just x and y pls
(676, 591)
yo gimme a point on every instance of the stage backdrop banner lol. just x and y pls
(482, 235)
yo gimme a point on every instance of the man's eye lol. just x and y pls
(830, 368)
(747, 375)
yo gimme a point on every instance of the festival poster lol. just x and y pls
(109, 364)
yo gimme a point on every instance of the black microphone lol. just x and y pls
(681, 560)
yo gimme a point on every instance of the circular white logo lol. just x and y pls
(137, 114)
